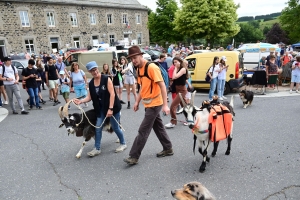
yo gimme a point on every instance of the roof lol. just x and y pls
(129, 4)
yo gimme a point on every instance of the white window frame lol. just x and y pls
(93, 18)
(124, 18)
(139, 39)
(74, 20)
(109, 18)
(30, 46)
(76, 42)
(111, 39)
(138, 19)
(24, 18)
(50, 19)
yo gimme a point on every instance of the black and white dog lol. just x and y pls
(246, 97)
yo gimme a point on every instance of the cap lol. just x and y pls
(224, 58)
(6, 59)
(91, 65)
(62, 72)
(31, 62)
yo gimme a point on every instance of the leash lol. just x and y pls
(179, 120)
(83, 113)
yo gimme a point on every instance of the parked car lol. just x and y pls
(20, 65)
(153, 54)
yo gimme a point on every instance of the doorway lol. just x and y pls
(2, 50)
(54, 44)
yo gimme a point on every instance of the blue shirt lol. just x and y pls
(77, 78)
(164, 65)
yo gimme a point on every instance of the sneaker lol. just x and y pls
(170, 125)
(131, 161)
(30, 107)
(56, 103)
(297, 91)
(24, 112)
(5, 103)
(164, 153)
(221, 98)
(122, 147)
(39, 108)
(290, 91)
(179, 111)
(185, 124)
(210, 100)
(224, 97)
(51, 99)
(15, 112)
(86, 105)
(94, 152)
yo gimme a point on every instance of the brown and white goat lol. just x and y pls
(198, 121)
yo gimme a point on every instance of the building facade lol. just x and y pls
(41, 26)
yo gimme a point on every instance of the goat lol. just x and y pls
(81, 124)
(199, 120)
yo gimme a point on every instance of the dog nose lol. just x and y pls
(191, 126)
(173, 193)
(69, 130)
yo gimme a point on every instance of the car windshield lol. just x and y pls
(72, 58)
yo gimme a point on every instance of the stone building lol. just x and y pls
(43, 25)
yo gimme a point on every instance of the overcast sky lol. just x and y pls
(247, 7)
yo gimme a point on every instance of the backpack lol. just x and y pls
(164, 74)
(207, 77)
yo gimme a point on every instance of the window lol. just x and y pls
(124, 19)
(24, 18)
(73, 19)
(29, 46)
(109, 18)
(50, 18)
(95, 40)
(139, 38)
(93, 19)
(191, 63)
(138, 19)
(76, 42)
(112, 39)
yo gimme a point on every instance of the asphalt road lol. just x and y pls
(38, 159)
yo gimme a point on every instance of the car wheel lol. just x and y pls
(227, 89)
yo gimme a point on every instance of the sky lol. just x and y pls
(247, 7)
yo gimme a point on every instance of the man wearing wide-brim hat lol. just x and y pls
(153, 94)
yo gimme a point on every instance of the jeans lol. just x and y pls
(221, 85)
(115, 127)
(33, 94)
(14, 90)
(0, 101)
(213, 85)
(80, 90)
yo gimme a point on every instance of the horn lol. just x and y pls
(183, 102)
(59, 112)
(65, 109)
(193, 98)
(231, 101)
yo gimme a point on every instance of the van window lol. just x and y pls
(72, 58)
(241, 61)
(192, 63)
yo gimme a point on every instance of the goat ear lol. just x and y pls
(61, 125)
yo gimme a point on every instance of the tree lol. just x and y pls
(276, 35)
(254, 23)
(289, 20)
(212, 20)
(248, 34)
(160, 23)
(266, 30)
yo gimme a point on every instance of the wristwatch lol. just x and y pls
(111, 109)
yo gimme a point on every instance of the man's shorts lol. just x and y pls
(295, 79)
(66, 95)
(52, 84)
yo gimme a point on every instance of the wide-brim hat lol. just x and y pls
(134, 51)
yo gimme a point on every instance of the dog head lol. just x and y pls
(243, 94)
(192, 191)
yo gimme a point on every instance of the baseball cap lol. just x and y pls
(6, 59)
(224, 58)
(62, 72)
(91, 65)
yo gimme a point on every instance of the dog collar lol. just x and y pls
(196, 130)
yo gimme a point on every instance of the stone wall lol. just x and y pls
(14, 35)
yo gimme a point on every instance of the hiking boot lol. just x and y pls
(164, 153)
(131, 161)
(170, 125)
(24, 112)
(122, 147)
(94, 152)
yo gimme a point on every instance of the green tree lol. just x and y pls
(254, 23)
(160, 23)
(289, 20)
(266, 30)
(212, 20)
(276, 35)
(248, 34)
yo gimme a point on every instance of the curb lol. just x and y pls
(3, 114)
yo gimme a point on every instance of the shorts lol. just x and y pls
(66, 95)
(129, 80)
(119, 86)
(188, 95)
(1, 83)
(295, 79)
(52, 84)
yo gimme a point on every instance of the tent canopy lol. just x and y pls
(296, 45)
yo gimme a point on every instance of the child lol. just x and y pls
(65, 88)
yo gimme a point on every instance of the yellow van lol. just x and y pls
(200, 63)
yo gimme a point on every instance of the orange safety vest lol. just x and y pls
(220, 120)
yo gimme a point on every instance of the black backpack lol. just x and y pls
(207, 77)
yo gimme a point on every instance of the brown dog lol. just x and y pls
(193, 191)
